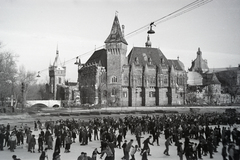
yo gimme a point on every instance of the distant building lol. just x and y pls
(144, 78)
(212, 86)
(59, 88)
(57, 73)
(230, 82)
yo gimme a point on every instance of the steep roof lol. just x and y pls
(210, 79)
(178, 65)
(211, 70)
(116, 34)
(100, 57)
(57, 63)
(142, 56)
(199, 65)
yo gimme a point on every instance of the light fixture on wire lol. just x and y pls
(151, 31)
(76, 61)
(38, 75)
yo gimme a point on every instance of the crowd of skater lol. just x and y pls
(193, 135)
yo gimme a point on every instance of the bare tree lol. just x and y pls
(25, 79)
(8, 71)
(228, 81)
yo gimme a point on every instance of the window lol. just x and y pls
(136, 60)
(59, 80)
(140, 94)
(114, 91)
(180, 80)
(114, 79)
(162, 60)
(149, 60)
(124, 94)
(151, 94)
(165, 80)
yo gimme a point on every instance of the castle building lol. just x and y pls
(143, 78)
(57, 73)
(207, 84)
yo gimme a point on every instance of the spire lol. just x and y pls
(199, 51)
(148, 43)
(57, 62)
(57, 49)
(116, 34)
(214, 79)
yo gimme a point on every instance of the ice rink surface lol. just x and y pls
(76, 149)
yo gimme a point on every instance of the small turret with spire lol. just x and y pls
(148, 43)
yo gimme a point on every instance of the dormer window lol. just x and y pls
(136, 60)
(114, 79)
(149, 60)
(162, 60)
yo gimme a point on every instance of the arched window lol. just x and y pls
(114, 91)
(114, 79)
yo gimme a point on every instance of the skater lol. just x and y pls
(180, 150)
(144, 154)
(43, 155)
(167, 143)
(127, 149)
(68, 142)
(119, 140)
(133, 151)
(108, 152)
(94, 154)
(32, 144)
(146, 146)
(124, 145)
(40, 143)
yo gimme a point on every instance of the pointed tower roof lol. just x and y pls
(214, 79)
(57, 63)
(209, 79)
(199, 65)
(116, 34)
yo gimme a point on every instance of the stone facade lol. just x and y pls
(144, 78)
(217, 86)
(57, 73)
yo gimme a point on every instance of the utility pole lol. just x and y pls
(23, 98)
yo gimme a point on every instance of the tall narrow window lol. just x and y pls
(59, 80)
(136, 60)
(165, 80)
(125, 94)
(114, 91)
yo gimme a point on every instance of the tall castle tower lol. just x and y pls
(116, 47)
(57, 73)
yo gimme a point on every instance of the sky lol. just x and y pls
(34, 30)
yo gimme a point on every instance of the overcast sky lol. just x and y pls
(33, 29)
